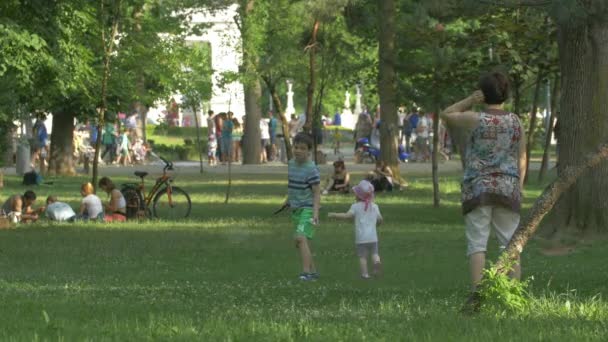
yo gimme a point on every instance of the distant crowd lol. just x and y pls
(120, 142)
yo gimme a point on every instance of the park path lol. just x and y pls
(193, 167)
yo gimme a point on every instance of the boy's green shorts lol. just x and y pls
(302, 219)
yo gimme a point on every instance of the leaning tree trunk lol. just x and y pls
(532, 128)
(61, 160)
(583, 52)
(252, 137)
(279, 107)
(387, 85)
(527, 227)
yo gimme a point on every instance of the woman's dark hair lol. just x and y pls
(105, 182)
(339, 163)
(495, 87)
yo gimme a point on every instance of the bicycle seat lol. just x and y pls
(141, 174)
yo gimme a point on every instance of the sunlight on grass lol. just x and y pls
(229, 273)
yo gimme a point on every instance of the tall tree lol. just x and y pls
(583, 52)
(389, 131)
(109, 17)
(250, 22)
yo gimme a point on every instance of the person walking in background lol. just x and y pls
(265, 138)
(227, 127)
(366, 216)
(237, 138)
(108, 139)
(423, 152)
(218, 120)
(494, 170)
(123, 152)
(41, 137)
(272, 129)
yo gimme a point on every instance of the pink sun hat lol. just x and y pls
(365, 192)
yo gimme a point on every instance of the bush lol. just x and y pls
(185, 152)
(500, 294)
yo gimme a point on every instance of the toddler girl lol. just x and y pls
(366, 215)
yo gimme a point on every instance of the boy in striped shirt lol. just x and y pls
(304, 197)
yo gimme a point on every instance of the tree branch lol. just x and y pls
(544, 204)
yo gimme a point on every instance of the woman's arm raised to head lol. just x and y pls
(459, 114)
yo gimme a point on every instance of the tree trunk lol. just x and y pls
(532, 128)
(387, 85)
(516, 94)
(108, 48)
(140, 85)
(310, 90)
(545, 162)
(198, 138)
(279, 107)
(61, 155)
(252, 135)
(583, 52)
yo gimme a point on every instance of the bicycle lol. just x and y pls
(168, 201)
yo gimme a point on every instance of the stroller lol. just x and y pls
(365, 152)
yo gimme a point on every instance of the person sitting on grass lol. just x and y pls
(382, 177)
(366, 215)
(90, 206)
(116, 208)
(18, 208)
(58, 211)
(339, 181)
(304, 197)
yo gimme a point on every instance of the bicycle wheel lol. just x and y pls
(134, 201)
(177, 208)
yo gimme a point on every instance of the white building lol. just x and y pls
(224, 38)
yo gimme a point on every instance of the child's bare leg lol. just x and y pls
(377, 264)
(305, 255)
(363, 266)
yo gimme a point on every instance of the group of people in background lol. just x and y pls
(20, 208)
(120, 143)
(415, 133)
(226, 134)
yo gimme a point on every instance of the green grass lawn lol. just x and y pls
(231, 274)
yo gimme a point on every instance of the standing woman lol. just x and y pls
(495, 157)
(237, 137)
(226, 141)
(116, 208)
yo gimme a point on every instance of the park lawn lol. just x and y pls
(230, 274)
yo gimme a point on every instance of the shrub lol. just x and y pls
(501, 294)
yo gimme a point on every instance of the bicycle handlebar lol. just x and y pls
(168, 164)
